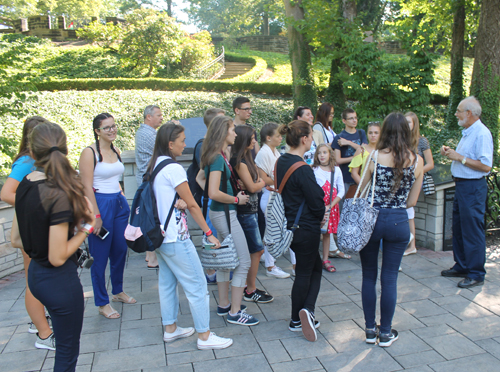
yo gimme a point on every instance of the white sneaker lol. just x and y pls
(32, 327)
(178, 333)
(277, 273)
(49, 343)
(214, 342)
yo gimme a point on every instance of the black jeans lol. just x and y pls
(59, 289)
(305, 245)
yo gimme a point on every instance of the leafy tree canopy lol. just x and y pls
(236, 17)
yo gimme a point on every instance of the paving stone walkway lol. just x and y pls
(442, 327)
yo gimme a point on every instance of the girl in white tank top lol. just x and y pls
(100, 170)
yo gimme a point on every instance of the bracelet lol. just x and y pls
(236, 200)
(87, 229)
(98, 216)
(209, 232)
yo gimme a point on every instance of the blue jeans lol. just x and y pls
(250, 225)
(179, 262)
(60, 291)
(393, 229)
(114, 211)
(469, 239)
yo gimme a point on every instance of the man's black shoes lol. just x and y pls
(469, 283)
(453, 273)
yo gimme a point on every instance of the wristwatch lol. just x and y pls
(464, 160)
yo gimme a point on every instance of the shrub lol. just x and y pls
(103, 35)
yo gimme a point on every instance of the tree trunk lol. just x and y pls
(485, 84)
(265, 24)
(304, 93)
(335, 91)
(169, 8)
(457, 63)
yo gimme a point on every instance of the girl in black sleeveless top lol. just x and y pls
(49, 209)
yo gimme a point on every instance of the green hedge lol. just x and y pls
(165, 84)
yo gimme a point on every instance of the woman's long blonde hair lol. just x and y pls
(415, 132)
(331, 163)
(214, 140)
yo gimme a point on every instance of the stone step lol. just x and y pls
(234, 69)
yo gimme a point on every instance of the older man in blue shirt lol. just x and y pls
(472, 161)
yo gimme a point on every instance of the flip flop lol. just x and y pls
(336, 254)
(153, 267)
(328, 267)
(111, 315)
(130, 300)
(413, 251)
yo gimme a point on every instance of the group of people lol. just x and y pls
(57, 208)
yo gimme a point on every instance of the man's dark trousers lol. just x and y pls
(469, 239)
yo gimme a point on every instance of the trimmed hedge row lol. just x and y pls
(165, 84)
(183, 85)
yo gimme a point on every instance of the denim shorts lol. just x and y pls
(250, 225)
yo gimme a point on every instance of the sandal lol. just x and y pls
(112, 315)
(328, 267)
(339, 254)
(129, 300)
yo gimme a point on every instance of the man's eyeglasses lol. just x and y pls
(246, 109)
(353, 118)
(460, 111)
(108, 129)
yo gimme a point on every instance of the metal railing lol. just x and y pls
(214, 69)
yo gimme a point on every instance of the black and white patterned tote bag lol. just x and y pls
(358, 217)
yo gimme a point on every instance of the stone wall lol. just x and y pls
(429, 219)
(272, 43)
(11, 259)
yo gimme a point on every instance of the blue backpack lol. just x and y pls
(144, 232)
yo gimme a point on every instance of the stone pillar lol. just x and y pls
(61, 22)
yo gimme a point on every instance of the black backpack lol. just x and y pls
(192, 172)
(144, 232)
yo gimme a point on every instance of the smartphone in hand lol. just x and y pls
(103, 233)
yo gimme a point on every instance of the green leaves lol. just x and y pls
(74, 111)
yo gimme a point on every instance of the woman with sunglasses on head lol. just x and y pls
(100, 169)
(24, 164)
(52, 220)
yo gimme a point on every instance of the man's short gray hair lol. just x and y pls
(149, 110)
(472, 104)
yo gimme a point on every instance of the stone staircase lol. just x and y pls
(234, 69)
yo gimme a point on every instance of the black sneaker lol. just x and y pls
(297, 326)
(386, 339)
(258, 296)
(222, 311)
(308, 325)
(371, 335)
